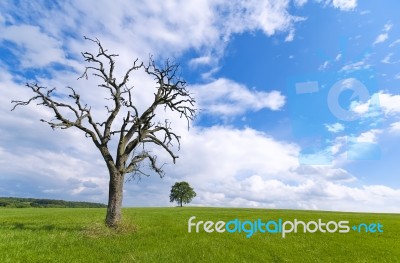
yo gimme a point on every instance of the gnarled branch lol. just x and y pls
(137, 128)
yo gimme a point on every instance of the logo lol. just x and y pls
(331, 109)
(250, 227)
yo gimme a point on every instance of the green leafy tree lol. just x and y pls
(181, 192)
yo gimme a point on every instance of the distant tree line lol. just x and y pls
(16, 202)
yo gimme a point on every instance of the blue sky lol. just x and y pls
(299, 100)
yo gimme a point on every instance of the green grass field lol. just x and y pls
(161, 235)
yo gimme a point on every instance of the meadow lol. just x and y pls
(161, 235)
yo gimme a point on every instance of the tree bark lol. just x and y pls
(113, 217)
(138, 128)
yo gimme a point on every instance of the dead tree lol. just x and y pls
(137, 130)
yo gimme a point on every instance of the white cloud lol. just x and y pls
(326, 172)
(337, 146)
(227, 152)
(34, 48)
(300, 2)
(338, 57)
(345, 5)
(349, 82)
(359, 107)
(256, 191)
(355, 66)
(324, 65)
(383, 36)
(369, 136)
(44, 171)
(395, 127)
(335, 127)
(387, 58)
(226, 97)
(198, 25)
(205, 60)
(237, 174)
(389, 103)
(387, 27)
(290, 36)
(365, 12)
(394, 43)
(269, 16)
(379, 102)
(209, 74)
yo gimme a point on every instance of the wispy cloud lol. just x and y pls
(395, 127)
(381, 38)
(300, 2)
(384, 35)
(324, 65)
(394, 43)
(365, 12)
(335, 127)
(290, 36)
(386, 59)
(204, 60)
(356, 66)
(390, 103)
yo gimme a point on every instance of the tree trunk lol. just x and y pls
(181, 202)
(115, 191)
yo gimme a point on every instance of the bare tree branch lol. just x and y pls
(46, 99)
(136, 129)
